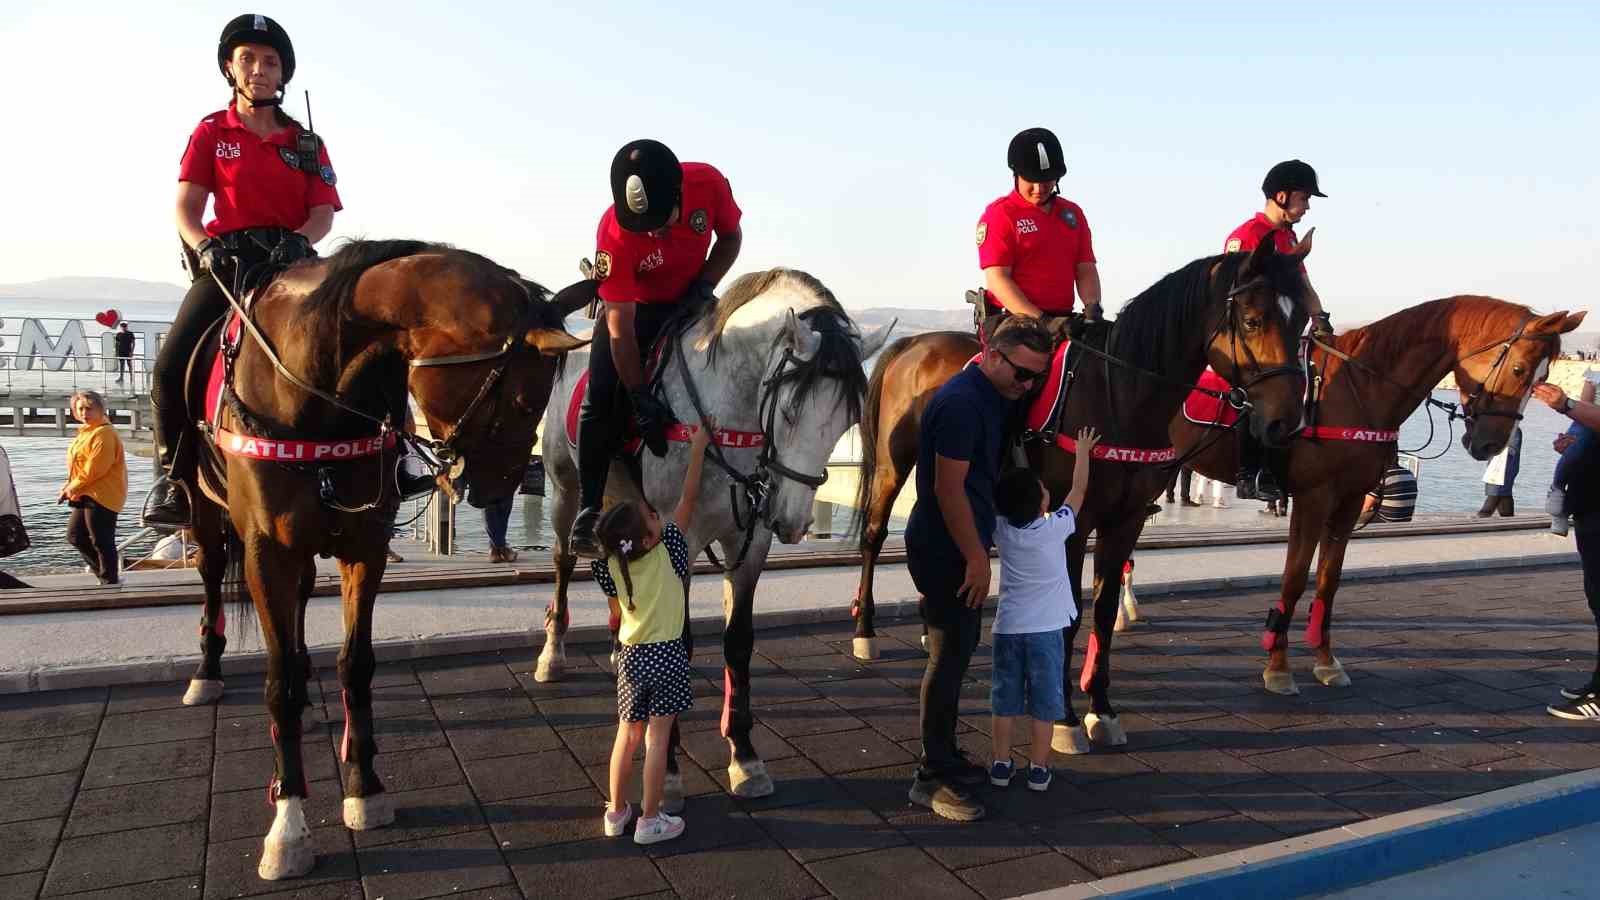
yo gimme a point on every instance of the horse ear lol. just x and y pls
(1303, 249)
(873, 342)
(1571, 321)
(552, 341)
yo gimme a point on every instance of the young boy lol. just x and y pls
(1036, 603)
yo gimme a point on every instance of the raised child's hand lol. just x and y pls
(1088, 437)
(703, 434)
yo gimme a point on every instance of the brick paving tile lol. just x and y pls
(896, 872)
(828, 829)
(713, 821)
(753, 870)
(156, 726)
(187, 886)
(1157, 800)
(545, 820)
(468, 677)
(418, 769)
(1454, 747)
(138, 806)
(131, 698)
(29, 845)
(433, 867)
(1223, 835)
(419, 815)
(1284, 806)
(505, 777)
(1383, 799)
(958, 845)
(790, 644)
(241, 814)
(22, 885)
(1317, 770)
(797, 782)
(696, 783)
(47, 756)
(580, 712)
(772, 690)
(51, 713)
(126, 857)
(416, 730)
(848, 751)
(1106, 843)
(38, 797)
(1199, 766)
(795, 720)
(602, 869)
(501, 737)
(860, 694)
(822, 672)
(710, 748)
(1011, 878)
(253, 768)
(582, 681)
(1433, 775)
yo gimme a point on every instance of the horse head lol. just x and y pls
(1502, 352)
(482, 376)
(814, 388)
(1255, 337)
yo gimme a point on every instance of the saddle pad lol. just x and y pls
(678, 432)
(1047, 402)
(228, 339)
(1204, 409)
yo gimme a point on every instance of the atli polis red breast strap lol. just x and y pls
(1112, 453)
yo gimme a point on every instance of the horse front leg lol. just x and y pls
(1330, 567)
(206, 684)
(1113, 546)
(747, 773)
(366, 805)
(887, 480)
(1069, 735)
(274, 576)
(552, 664)
(1306, 521)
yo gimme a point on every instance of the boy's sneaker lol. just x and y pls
(1574, 693)
(1001, 773)
(1038, 778)
(663, 827)
(946, 800)
(617, 822)
(1585, 708)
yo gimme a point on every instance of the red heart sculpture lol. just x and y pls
(109, 318)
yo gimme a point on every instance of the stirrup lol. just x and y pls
(582, 541)
(173, 511)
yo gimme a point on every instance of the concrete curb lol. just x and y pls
(178, 667)
(1367, 851)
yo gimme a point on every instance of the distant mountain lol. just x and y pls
(109, 290)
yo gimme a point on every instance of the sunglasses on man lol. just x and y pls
(1021, 373)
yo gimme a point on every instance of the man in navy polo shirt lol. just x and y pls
(948, 539)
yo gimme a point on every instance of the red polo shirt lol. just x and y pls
(1248, 236)
(647, 268)
(1042, 246)
(254, 183)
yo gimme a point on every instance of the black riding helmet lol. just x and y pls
(255, 29)
(1035, 154)
(646, 183)
(1289, 176)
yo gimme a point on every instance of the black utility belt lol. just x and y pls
(253, 239)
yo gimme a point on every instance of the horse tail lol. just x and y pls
(868, 434)
(234, 591)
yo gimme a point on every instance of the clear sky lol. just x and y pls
(1457, 141)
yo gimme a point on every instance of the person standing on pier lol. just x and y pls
(96, 487)
(124, 344)
(1581, 702)
(272, 190)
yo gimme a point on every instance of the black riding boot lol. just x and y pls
(168, 506)
(1255, 481)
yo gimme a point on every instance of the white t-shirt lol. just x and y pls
(1035, 593)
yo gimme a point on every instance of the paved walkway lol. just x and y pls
(497, 778)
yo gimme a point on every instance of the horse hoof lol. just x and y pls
(366, 813)
(1072, 740)
(1122, 623)
(202, 691)
(750, 780)
(924, 643)
(287, 851)
(1280, 682)
(1105, 730)
(864, 648)
(1332, 676)
(672, 794)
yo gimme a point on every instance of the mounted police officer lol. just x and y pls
(272, 189)
(1289, 187)
(1034, 246)
(654, 253)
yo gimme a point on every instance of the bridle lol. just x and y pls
(758, 486)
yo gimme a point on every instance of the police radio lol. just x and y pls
(306, 144)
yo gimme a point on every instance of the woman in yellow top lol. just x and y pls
(650, 558)
(96, 487)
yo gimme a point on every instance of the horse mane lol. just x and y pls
(1388, 337)
(354, 257)
(1155, 330)
(838, 354)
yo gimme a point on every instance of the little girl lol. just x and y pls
(649, 557)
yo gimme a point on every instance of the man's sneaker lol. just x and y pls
(663, 827)
(617, 822)
(1001, 773)
(1585, 708)
(1555, 502)
(1573, 693)
(946, 800)
(1038, 778)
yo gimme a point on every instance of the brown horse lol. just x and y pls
(1239, 312)
(1377, 377)
(351, 333)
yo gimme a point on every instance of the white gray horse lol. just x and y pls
(777, 364)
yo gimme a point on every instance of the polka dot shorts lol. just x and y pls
(653, 680)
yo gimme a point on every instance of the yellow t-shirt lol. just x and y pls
(96, 467)
(658, 589)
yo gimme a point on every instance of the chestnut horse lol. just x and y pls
(333, 347)
(1373, 379)
(1239, 312)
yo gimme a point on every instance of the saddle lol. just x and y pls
(1208, 411)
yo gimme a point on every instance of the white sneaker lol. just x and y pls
(617, 822)
(663, 827)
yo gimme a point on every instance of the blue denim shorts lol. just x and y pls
(1027, 676)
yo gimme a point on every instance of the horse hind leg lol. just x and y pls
(271, 572)
(366, 804)
(887, 482)
(1277, 677)
(1319, 625)
(747, 772)
(206, 685)
(552, 662)
(1069, 735)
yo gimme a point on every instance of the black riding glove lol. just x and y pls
(1092, 313)
(214, 257)
(293, 248)
(652, 417)
(700, 292)
(1321, 326)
